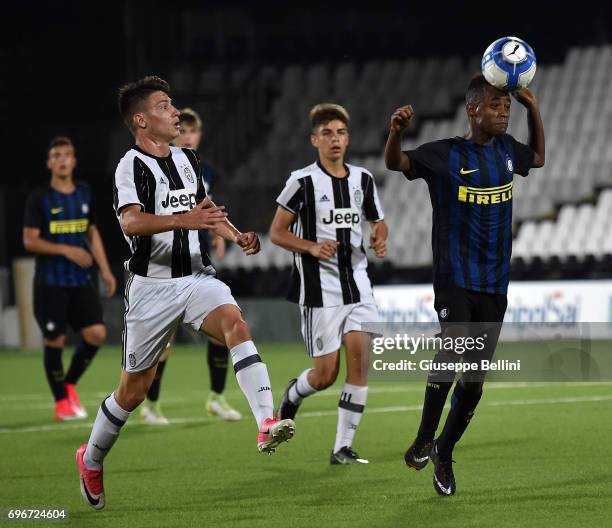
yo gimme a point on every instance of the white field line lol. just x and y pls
(313, 414)
(95, 397)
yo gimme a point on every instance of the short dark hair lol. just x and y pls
(326, 112)
(476, 89)
(59, 141)
(191, 118)
(132, 95)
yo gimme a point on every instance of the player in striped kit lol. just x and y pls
(319, 219)
(161, 204)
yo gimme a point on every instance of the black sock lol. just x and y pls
(52, 359)
(463, 404)
(435, 397)
(153, 394)
(217, 366)
(83, 354)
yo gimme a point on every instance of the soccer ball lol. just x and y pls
(509, 64)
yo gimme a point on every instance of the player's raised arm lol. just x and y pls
(535, 125)
(395, 159)
(281, 235)
(135, 222)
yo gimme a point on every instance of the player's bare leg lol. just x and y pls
(226, 325)
(112, 415)
(352, 399)
(323, 374)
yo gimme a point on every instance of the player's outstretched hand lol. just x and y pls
(401, 118)
(205, 215)
(79, 256)
(379, 244)
(526, 97)
(324, 250)
(249, 242)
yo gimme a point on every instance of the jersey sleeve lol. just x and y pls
(125, 192)
(523, 156)
(291, 197)
(371, 204)
(33, 215)
(423, 161)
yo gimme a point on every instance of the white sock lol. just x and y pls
(350, 409)
(109, 421)
(301, 389)
(253, 379)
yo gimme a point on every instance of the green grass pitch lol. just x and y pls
(535, 455)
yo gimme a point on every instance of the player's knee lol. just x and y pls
(95, 335)
(56, 342)
(238, 331)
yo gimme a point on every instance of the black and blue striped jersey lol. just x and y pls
(470, 186)
(62, 219)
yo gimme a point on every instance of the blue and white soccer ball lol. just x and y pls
(509, 64)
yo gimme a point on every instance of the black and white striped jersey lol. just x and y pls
(163, 186)
(330, 208)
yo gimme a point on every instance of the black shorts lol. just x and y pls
(474, 314)
(57, 306)
(458, 305)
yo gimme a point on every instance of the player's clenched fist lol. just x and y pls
(324, 250)
(401, 118)
(249, 242)
(379, 245)
(205, 215)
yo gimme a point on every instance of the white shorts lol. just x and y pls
(324, 327)
(154, 308)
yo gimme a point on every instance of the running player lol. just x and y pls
(161, 205)
(470, 182)
(60, 228)
(218, 354)
(319, 219)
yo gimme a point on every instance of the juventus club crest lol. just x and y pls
(358, 196)
(188, 174)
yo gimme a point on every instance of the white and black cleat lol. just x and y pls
(346, 455)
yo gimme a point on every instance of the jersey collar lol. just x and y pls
(320, 165)
(159, 158)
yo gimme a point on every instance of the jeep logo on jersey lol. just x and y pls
(178, 201)
(341, 218)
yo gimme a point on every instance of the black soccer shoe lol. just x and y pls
(443, 477)
(286, 408)
(346, 455)
(417, 454)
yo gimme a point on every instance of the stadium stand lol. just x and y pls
(548, 207)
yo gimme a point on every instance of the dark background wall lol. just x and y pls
(62, 62)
